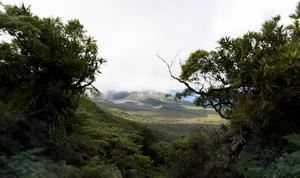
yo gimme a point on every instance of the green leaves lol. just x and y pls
(28, 164)
(255, 161)
(252, 79)
(293, 138)
(196, 62)
(52, 63)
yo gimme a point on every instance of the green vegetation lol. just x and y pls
(253, 81)
(162, 113)
(103, 146)
(256, 78)
(49, 126)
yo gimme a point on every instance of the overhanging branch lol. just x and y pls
(217, 106)
(178, 79)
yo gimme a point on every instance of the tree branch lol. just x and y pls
(217, 106)
(178, 79)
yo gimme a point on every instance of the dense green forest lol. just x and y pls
(55, 123)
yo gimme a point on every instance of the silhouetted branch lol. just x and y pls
(169, 66)
(218, 106)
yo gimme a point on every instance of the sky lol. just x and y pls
(130, 33)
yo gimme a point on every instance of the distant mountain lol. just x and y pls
(138, 95)
(152, 102)
(161, 112)
(146, 97)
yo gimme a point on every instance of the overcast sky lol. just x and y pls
(131, 32)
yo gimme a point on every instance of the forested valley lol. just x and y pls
(243, 120)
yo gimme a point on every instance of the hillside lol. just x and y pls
(103, 144)
(161, 111)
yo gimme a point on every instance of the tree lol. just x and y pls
(253, 80)
(46, 63)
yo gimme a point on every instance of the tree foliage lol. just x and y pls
(254, 80)
(45, 62)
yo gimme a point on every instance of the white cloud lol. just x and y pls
(130, 33)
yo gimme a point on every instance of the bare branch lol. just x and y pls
(218, 110)
(178, 79)
(217, 106)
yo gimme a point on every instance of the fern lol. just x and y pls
(293, 139)
(29, 164)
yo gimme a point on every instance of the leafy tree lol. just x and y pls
(45, 67)
(46, 63)
(253, 80)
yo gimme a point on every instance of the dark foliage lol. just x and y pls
(252, 80)
(47, 64)
(200, 155)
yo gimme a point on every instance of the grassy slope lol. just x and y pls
(163, 114)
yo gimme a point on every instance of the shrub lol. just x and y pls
(200, 155)
(270, 162)
(98, 169)
(29, 164)
(138, 166)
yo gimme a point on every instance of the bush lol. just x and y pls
(98, 169)
(200, 155)
(29, 164)
(271, 162)
(138, 166)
